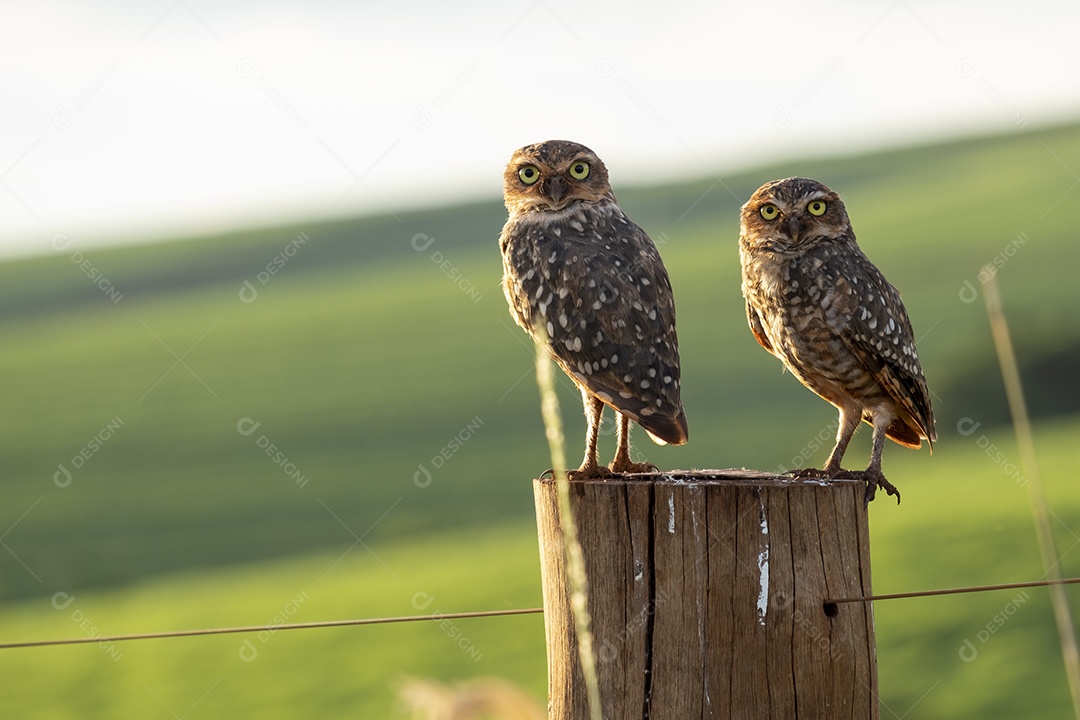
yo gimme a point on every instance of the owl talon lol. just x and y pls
(583, 473)
(632, 467)
(875, 480)
(596, 472)
(810, 473)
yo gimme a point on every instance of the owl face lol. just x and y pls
(552, 175)
(793, 214)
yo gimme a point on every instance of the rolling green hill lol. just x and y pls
(195, 406)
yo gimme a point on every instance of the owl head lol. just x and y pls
(552, 175)
(793, 214)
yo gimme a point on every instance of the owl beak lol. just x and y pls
(555, 189)
(793, 227)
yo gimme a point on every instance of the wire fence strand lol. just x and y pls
(269, 628)
(475, 614)
(954, 591)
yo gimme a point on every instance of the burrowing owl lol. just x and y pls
(815, 301)
(579, 274)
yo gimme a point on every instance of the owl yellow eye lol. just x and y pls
(529, 174)
(816, 207)
(770, 211)
(579, 170)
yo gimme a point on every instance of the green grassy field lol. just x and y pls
(197, 430)
(1013, 670)
(351, 672)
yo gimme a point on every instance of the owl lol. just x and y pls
(815, 301)
(581, 277)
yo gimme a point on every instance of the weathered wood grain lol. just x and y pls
(706, 591)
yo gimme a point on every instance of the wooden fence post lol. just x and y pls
(706, 593)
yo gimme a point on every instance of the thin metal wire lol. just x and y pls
(954, 591)
(474, 614)
(269, 628)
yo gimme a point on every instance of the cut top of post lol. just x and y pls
(729, 476)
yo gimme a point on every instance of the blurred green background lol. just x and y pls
(338, 419)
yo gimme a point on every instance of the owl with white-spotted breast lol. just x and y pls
(816, 302)
(581, 277)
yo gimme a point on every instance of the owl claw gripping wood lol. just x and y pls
(815, 301)
(580, 276)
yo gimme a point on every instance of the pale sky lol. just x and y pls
(125, 121)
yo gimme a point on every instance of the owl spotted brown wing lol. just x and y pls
(605, 303)
(877, 330)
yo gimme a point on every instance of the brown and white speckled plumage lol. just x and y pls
(816, 302)
(580, 274)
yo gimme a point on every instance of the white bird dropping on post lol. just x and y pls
(763, 569)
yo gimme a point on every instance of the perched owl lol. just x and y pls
(815, 301)
(579, 274)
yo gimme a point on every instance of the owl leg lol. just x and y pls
(848, 423)
(622, 462)
(875, 478)
(594, 411)
(846, 426)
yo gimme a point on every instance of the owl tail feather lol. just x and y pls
(666, 430)
(908, 434)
